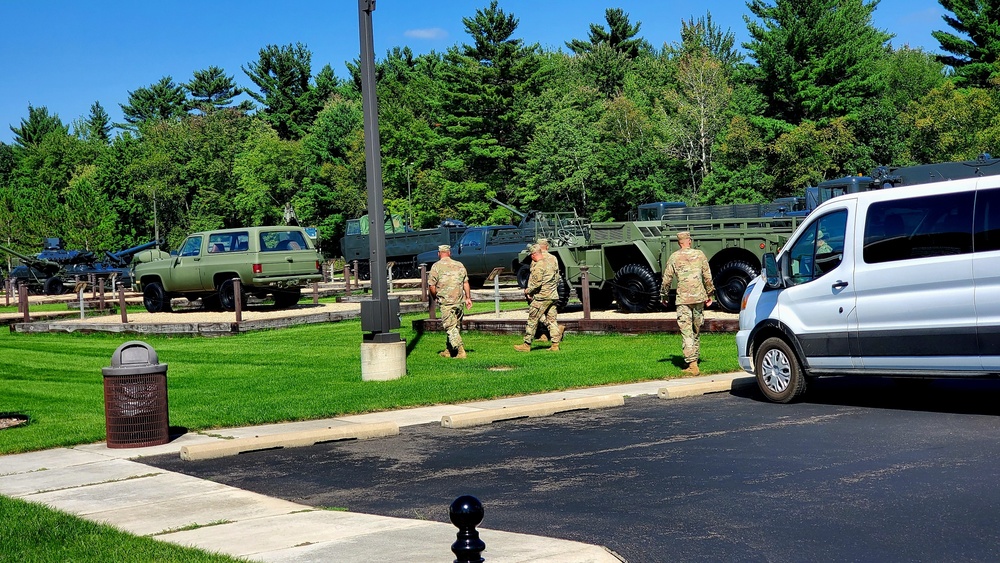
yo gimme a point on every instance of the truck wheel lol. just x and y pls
(227, 296)
(523, 273)
(154, 298)
(286, 298)
(731, 282)
(364, 270)
(779, 375)
(564, 291)
(54, 286)
(600, 299)
(636, 289)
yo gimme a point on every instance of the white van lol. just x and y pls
(896, 282)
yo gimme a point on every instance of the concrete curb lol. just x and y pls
(691, 390)
(466, 420)
(289, 440)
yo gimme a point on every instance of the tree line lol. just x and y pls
(607, 123)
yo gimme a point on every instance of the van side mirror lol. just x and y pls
(772, 279)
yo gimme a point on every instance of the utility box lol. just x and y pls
(135, 398)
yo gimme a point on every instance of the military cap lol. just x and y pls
(683, 235)
(535, 248)
(543, 242)
(444, 248)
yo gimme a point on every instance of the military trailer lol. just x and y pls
(625, 260)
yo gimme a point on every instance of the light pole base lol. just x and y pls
(383, 361)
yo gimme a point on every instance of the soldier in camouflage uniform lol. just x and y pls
(543, 294)
(449, 283)
(543, 243)
(694, 292)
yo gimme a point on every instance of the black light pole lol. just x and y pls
(376, 317)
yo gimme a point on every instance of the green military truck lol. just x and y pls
(276, 261)
(625, 260)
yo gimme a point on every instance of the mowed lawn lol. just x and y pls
(308, 372)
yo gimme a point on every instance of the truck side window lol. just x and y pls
(819, 250)
(908, 229)
(472, 238)
(192, 247)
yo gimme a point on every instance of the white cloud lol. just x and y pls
(429, 33)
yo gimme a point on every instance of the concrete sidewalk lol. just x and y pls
(113, 486)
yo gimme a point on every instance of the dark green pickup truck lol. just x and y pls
(267, 260)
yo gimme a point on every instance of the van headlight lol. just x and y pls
(746, 296)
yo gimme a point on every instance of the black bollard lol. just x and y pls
(466, 513)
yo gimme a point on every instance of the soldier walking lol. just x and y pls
(694, 292)
(549, 259)
(543, 294)
(449, 283)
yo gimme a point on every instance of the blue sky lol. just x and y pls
(67, 54)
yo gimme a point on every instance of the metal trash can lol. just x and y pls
(135, 398)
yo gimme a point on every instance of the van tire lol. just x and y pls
(732, 282)
(636, 289)
(779, 375)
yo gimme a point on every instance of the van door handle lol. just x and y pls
(840, 285)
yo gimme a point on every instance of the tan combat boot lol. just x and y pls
(445, 353)
(523, 347)
(692, 369)
(544, 338)
(461, 353)
(554, 347)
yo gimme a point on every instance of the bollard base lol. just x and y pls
(383, 361)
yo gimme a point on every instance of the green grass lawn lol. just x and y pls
(31, 532)
(308, 372)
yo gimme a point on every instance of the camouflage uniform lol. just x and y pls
(449, 277)
(543, 290)
(694, 286)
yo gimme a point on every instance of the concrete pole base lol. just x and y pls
(383, 361)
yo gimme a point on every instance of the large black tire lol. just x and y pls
(286, 298)
(54, 286)
(636, 289)
(779, 374)
(227, 296)
(731, 282)
(154, 298)
(600, 299)
(564, 292)
(523, 273)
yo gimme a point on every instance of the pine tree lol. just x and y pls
(975, 53)
(98, 124)
(620, 36)
(39, 123)
(816, 59)
(163, 100)
(211, 90)
(282, 74)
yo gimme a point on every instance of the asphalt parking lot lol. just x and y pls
(861, 470)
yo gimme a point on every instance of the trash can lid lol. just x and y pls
(133, 358)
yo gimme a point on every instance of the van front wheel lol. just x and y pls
(779, 375)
